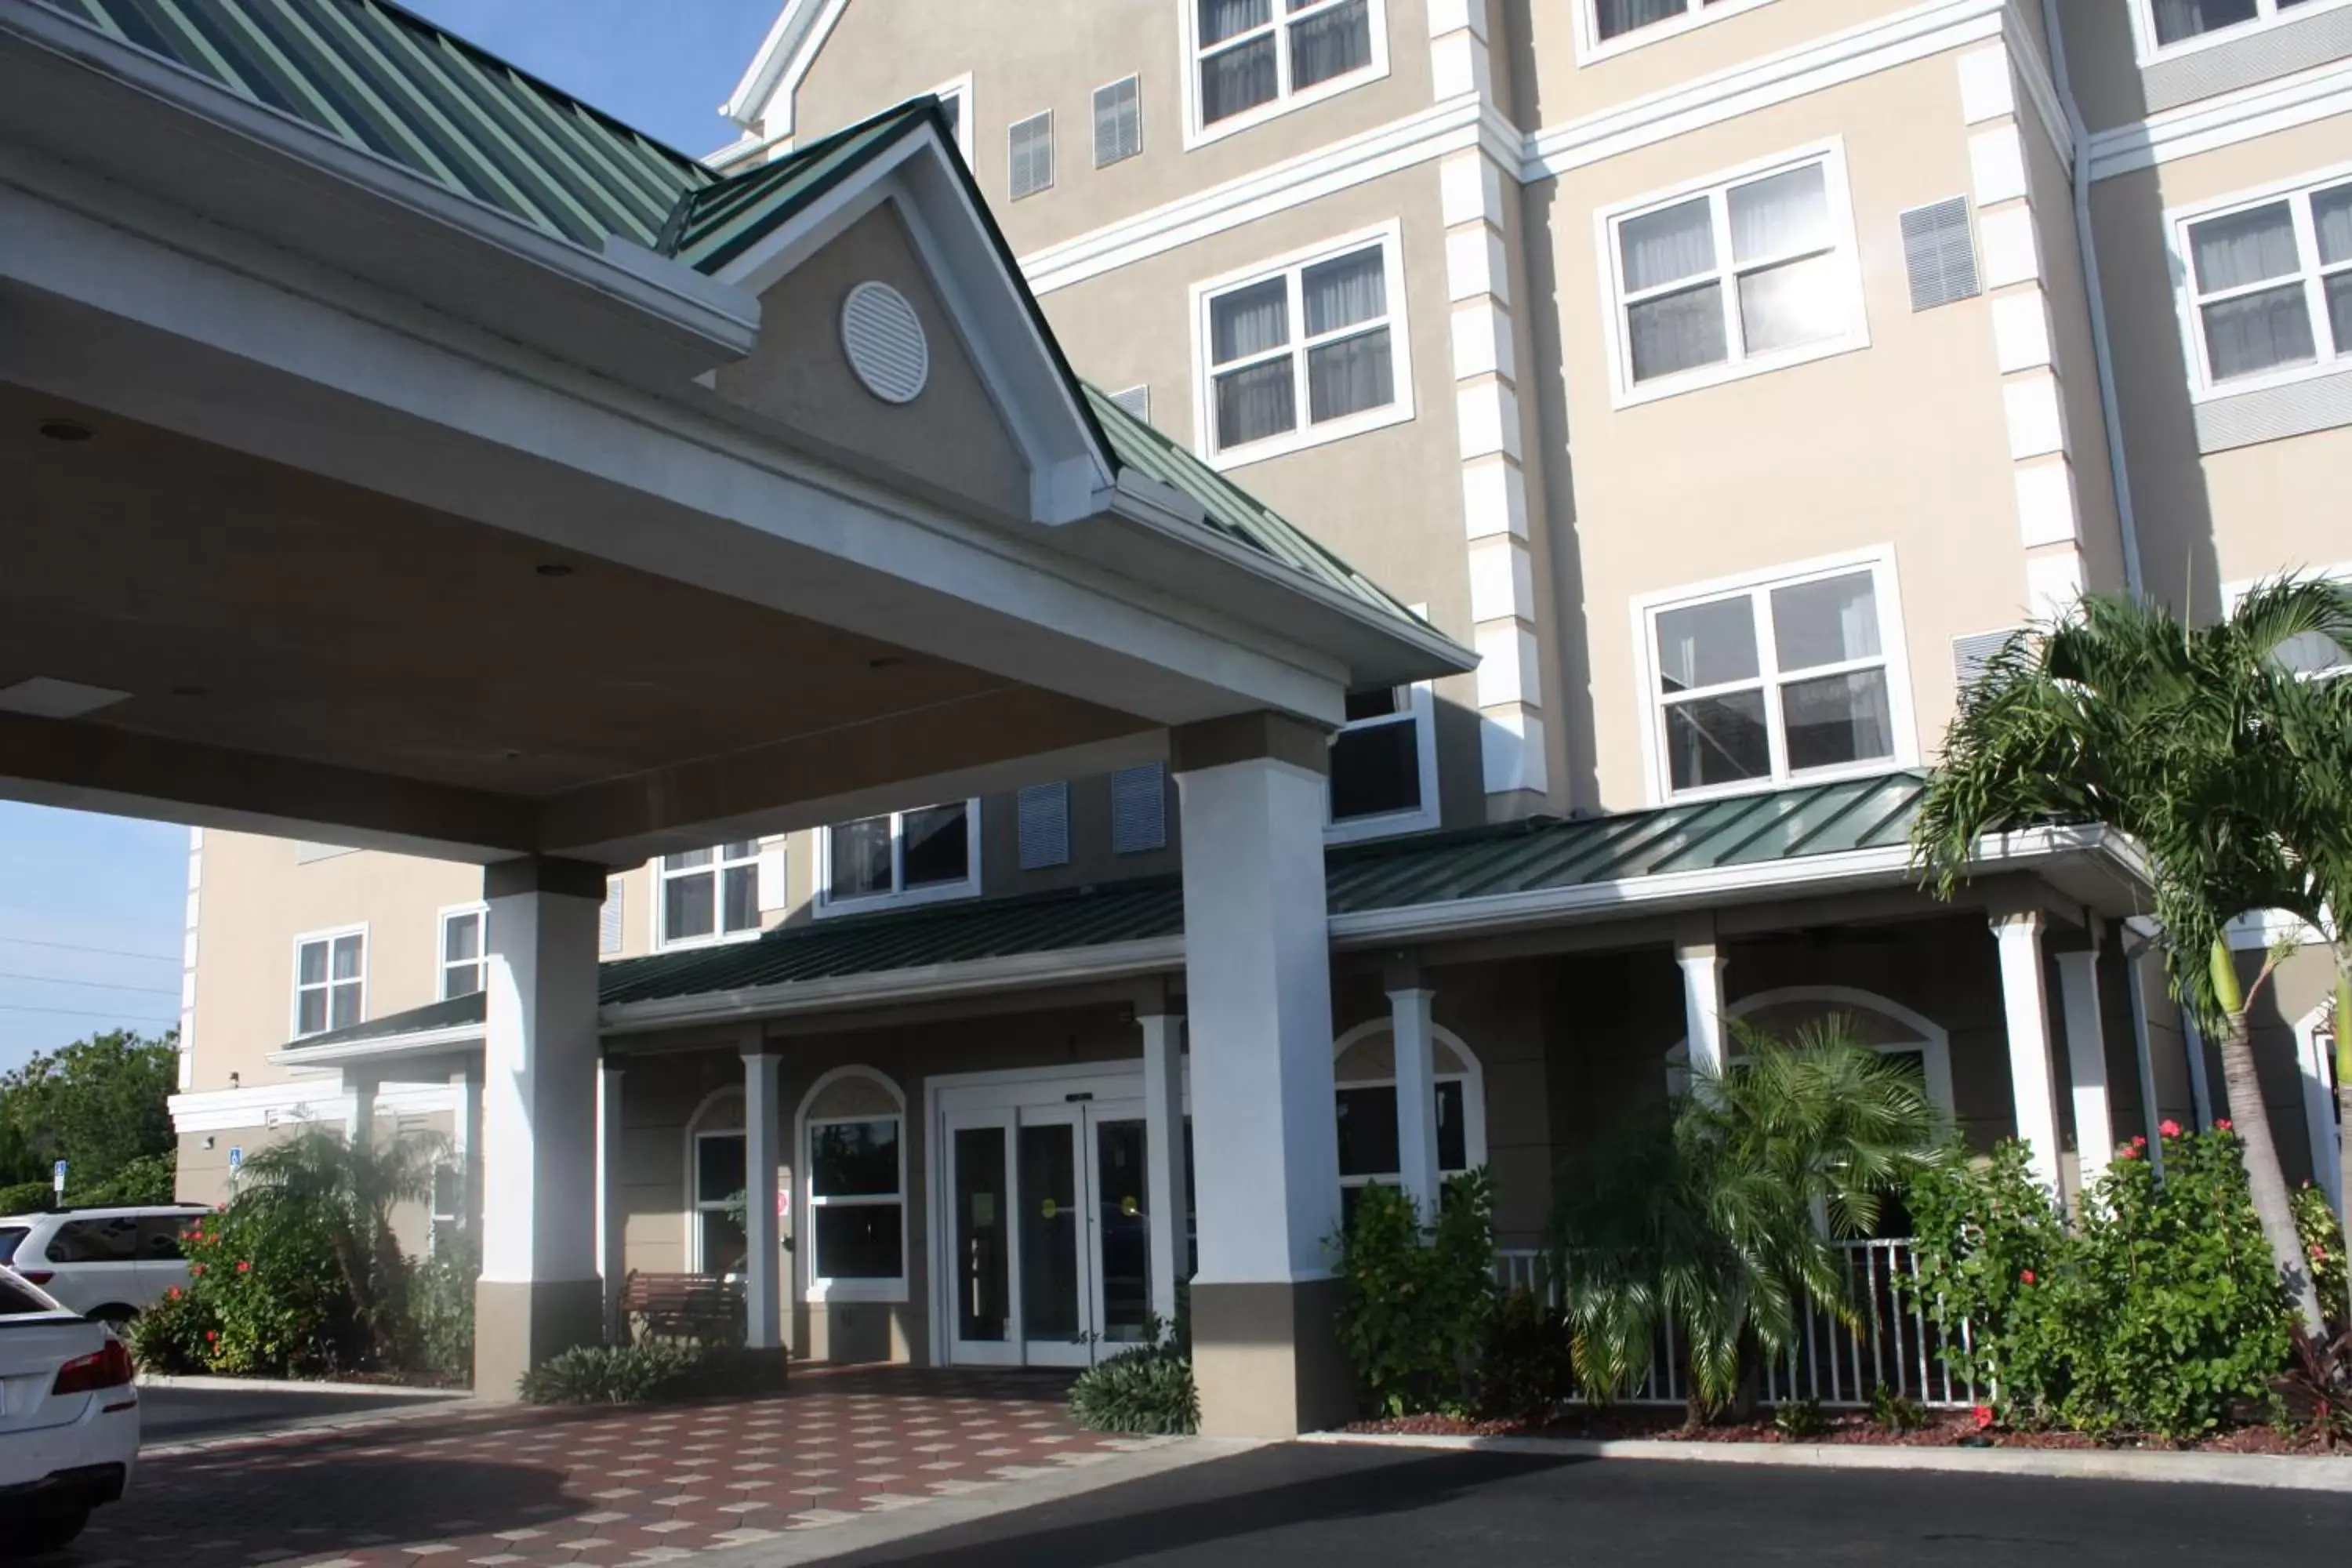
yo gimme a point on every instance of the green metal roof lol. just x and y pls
(1430, 870)
(386, 81)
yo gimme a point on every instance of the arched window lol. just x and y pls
(853, 1157)
(1364, 1064)
(715, 1177)
(1888, 1027)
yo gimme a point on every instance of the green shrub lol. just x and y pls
(649, 1372)
(2160, 1313)
(1799, 1419)
(441, 1298)
(270, 1294)
(25, 1197)
(1896, 1412)
(1525, 1370)
(1415, 1310)
(1147, 1390)
(175, 1336)
(2323, 1241)
(149, 1179)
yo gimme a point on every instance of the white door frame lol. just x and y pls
(948, 1315)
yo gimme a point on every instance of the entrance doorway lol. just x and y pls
(1045, 1225)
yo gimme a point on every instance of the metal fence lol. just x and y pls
(1895, 1343)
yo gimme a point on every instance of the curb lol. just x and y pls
(299, 1426)
(2276, 1472)
(299, 1385)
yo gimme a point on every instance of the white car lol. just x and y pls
(111, 1263)
(70, 1424)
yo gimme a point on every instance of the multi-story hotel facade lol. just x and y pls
(1731, 375)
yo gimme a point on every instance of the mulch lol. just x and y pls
(1944, 1429)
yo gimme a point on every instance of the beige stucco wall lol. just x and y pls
(2235, 514)
(1735, 478)
(884, 52)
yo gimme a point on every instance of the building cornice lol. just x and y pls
(2262, 110)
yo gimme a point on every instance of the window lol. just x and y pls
(1788, 678)
(1748, 275)
(1119, 120)
(1032, 155)
(1608, 25)
(852, 1143)
(464, 951)
(1311, 349)
(2267, 288)
(2311, 654)
(905, 856)
(1258, 57)
(2173, 24)
(955, 107)
(1384, 764)
(719, 1184)
(710, 895)
(1365, 1068)
(329, 981)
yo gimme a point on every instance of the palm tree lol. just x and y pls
(2232, 775)
(1720, 1216)
(351, 1189)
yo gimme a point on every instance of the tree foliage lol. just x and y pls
(98, 1104)
(320, 1182)
(1418, 1299)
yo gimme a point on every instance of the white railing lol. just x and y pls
(1896, 1344)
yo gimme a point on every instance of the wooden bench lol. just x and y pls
(705, 1308)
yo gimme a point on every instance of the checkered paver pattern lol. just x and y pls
(621, 1487)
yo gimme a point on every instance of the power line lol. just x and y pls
(88, 1013)
(110, 951)
(94, 984)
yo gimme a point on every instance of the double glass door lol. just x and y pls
(1049, 1239)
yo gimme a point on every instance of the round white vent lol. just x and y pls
(883, 340)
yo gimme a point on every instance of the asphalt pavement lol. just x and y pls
(169, 1414)
(1292, 1505)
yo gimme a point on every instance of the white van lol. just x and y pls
(111, 1263)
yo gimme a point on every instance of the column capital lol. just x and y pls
(2012, 919)
(1403, 973)
(543, 874)
(754, 1042)
(1246, 738)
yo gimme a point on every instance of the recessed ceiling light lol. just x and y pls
(552, 569)
(45, 697)
(66, 430)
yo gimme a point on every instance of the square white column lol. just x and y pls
(1164, 1138)
(1709, 1046)
(1265, 1121)
(539, 1291)
(359, 1121)
(612, 1213)
(2137, 947)
(762, 1153)
(2086, 1064)
(1416, 1094)
(466, 1147)
(2025, 1008)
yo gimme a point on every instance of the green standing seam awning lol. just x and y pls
(1425, 870)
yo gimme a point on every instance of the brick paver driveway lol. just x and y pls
(521, 1487)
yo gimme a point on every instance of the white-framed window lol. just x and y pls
(1308, 348)
(465, 950)
(853, 1147)
(2164, 29)
(329, 980)
(1733, 275)
(1790, 676)
(900, 858)
(1383, 776)
(717, 1185)
(2264, 285)
(1605, 28)
(955, 103)
(1253, 59)
(710, 895)
(1364, 1067)
(2313, 654)
(1118, 120)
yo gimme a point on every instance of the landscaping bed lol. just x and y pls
(1943, 1429)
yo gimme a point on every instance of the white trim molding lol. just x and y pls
(187, 1040)
(2147, 48)
(2262, 110)
(323, 1100)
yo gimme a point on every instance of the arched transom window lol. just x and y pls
(1364, 1064)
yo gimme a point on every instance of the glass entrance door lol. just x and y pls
(1055, 1322)
(983, 1323)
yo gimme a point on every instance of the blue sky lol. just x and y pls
(91, 907)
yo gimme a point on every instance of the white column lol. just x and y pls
(2025, 1007)
(2136, 950)
(1258, 994)
(465, 1146)
(2192, 1044)
(1416, 1092)
(539, 1291)
(1163, 1137)
(1702, 965)
(2086, 1064)
(612, 1213)
(762, 1155)
(359, 1124)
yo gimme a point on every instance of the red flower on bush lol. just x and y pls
(175, 1292)
(2128, 1152)
(211, 1335)
(196, 1268)
(1984, 1417)
(2221, 1124)
(2319, 1253)
(244, 1268)
(2168, 1127)
(2026, 1278)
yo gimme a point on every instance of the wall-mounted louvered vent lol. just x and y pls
(1045, 826)
(1033, 156)
(1972, 653)
(608, 918)
(1139, 809)
(1939, 253)
(883, 340)
(1135, 400)
(1119, 120)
